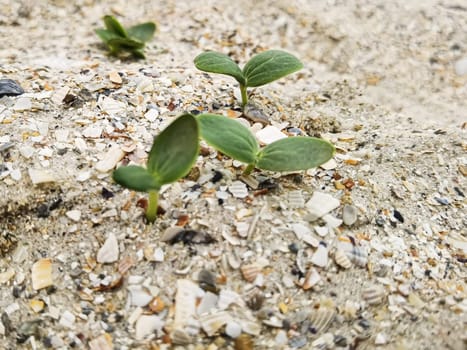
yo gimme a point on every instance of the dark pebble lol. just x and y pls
(9, 87)
(268, 184)
(442, 201)
(340, 340)
(207, 281)
(294, 247)
(398, 215)
(192, 237)
(217, 176)
(459, 192)
(43, 211)
(216, 105)
(106, 194)
(380, 221)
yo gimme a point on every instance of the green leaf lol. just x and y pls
(229, 136)
(216, 62)
(174, 150)
(138, 53)
(142, 32)
(269, 66)
(114, 26)
(135, 178)
(106, 35)
(126, 43)
(295, 153)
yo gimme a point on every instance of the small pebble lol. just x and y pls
(9, 87)
(108, 253)
(349, 214)
(461, 66)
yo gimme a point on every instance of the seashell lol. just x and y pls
(320, 256)
(233, 329)
(269, 135)
(110, 159)
(250, 327)
(320, 204)
(326, 341)
(207, 281)
(110, 106)
(362, 329)
(212, 323)
(39, 176)
(157, 305)
(321, 319)
(312, 277)
(349, 214)
(250, 271)
(147, 325)
(255, 113)
(244, 342)
(250, 181)
(108, 253)
(185, 302)
(139, 296)
(242, 228)
(357, 254)
(374, 295)
(295, 200)
(115, 78)
(170, 233)
(238, 189)
(255, 302)
(36, 305)
(102, 342)
(41, 274)
(228, 297)
(342, 259)
(9, 87)
(207, 303)
(180, 337)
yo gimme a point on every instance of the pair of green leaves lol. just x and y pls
(132, 39)
(288, 154)
(172, 155)
(260, 70)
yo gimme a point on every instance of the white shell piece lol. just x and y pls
(39, 176)
(60, 94)
(111, 106)
(374, 295)
(312, 277)
(320, 204)
(270, 134)
(229, 297)
(342, 259)
(211, 323)
(320, 257)
(148, 324)
(329, 165)
(295, 200)
(321, 230)
(108, 253)
(349, 214)
(331, 221)
(185, 302)
(238, 189)
(110, 159)
(208, 302)
(67, 319)
(139, 296)
(74, 215)
(233, 329)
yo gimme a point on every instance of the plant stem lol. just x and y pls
(249, 169)
(151, 211)
(244, 95)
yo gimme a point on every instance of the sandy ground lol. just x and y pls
(384, 72)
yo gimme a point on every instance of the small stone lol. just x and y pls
(461, 66)
(67, 319)
(109, 251)
(281, 338)
(115, 78)
(74, 215)
(270, 134)
(9, 87)
(41, 274)
(349, 214)
(320, 204)
(148, 324)
(233, 329)
(238, 189)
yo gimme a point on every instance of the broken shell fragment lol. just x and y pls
(42, 274)
(212, 323)
(250, 271)
(321, 319)
(374, 295)
(342, 259)
(108, 253)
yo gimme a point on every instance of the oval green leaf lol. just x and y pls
(126, 43)
(229, 137)
(295, 153)
(216, 62)
(142, 32)
(106, 35)
(174, 150)
(269, 66)
(135, 178)
(114, 26)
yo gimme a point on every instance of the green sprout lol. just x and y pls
(132, 39)
(172, 155)
(289, 154)
(260, 70)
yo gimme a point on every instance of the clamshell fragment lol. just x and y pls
(148, 324)
(295, 200)
(320, 257)
(312, 278)
(212, 323)
(110, 159)
(349, 214)
(357, 254)
(374, 295)
(270, 134)
(42, 274)
(321, 319)
(181, 337)
(320, 204)
(238, 189)
(185, 302)
(250, 271)
(342, 259)
(39, 176)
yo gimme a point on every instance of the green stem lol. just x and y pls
(249, 169)
(244, 95)
(151, 212)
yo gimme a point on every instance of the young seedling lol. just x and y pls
(132, 39)
(260, 70)
(172, 155)
(235, 140)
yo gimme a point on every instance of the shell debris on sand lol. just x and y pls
(109, 251)
(320, 204)
(41, 274)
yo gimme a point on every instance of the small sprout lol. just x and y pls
(260, 70)
(236, 141)
(132, 39)
(172, 155)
